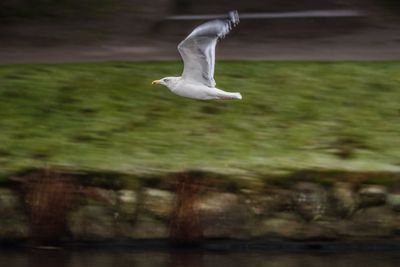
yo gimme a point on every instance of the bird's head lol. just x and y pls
(167, 81)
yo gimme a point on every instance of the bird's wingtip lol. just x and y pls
(234, 16)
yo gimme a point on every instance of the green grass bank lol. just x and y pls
(294, 116)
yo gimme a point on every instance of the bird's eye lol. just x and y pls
(166, 80)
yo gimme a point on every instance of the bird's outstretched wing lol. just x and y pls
(198, 49)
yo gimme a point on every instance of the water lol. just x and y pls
(124, 258)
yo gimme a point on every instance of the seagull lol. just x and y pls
(198, 54)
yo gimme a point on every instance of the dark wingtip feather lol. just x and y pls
(234, 17)
(232, 21)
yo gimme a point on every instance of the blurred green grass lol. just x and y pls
(293, 116)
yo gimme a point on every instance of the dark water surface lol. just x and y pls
(183, 258)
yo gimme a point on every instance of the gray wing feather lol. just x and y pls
(198, 49)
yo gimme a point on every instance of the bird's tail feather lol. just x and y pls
(233, 96)
(238, 96)
(229, 95)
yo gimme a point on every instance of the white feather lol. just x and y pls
(198, 54)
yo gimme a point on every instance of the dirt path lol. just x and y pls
(252, 41)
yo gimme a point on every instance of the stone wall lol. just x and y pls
(300, 210)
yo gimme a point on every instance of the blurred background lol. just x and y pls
(129, 29)
(91, 153)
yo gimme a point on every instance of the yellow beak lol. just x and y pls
(156, 82)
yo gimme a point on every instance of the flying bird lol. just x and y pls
(198, 54)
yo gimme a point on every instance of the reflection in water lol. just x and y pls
(186, 259)
(192, 258)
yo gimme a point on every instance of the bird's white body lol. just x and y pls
(199, 91)
(198, 54)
